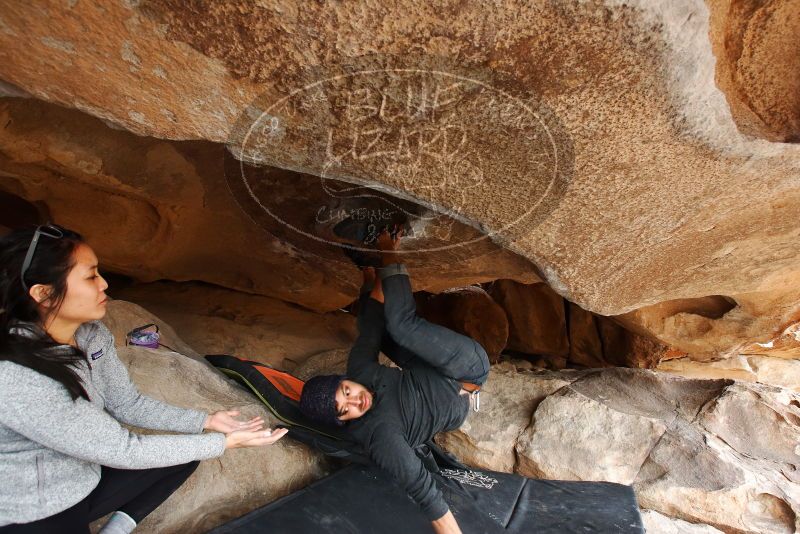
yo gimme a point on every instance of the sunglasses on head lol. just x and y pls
(49, 230)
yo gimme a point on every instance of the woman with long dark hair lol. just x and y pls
(65, 459)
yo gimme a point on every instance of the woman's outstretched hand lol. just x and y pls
(225, 422)
(259, 438)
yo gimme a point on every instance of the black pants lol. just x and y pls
(135, 492)
(410, 340)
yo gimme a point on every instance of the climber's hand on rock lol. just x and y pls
(390, 241)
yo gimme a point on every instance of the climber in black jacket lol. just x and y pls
(390, 411)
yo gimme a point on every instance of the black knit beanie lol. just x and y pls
(318, 399)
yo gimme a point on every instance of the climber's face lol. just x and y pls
(352, 400)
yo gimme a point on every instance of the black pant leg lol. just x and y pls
(136, 492)
(73, 520)
(455, 355)
(400, 355)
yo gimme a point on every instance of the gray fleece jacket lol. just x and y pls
(51, 447)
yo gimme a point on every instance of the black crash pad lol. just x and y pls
(359, 499)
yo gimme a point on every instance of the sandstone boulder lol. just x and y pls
(215, 320)
(707, 328)
(545, 450)
(624, 347)
(785, 345)
(508, 400)
(585, 344)
(758, 65)
(469, 311)
(718, 453)
(123, 316)
(765, 369)
(543, 323)
(536, 317)
(655, 523)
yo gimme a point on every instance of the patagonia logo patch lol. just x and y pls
(97, 354)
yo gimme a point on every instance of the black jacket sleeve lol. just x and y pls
(389, 450)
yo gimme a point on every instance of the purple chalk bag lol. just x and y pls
(142, 337)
